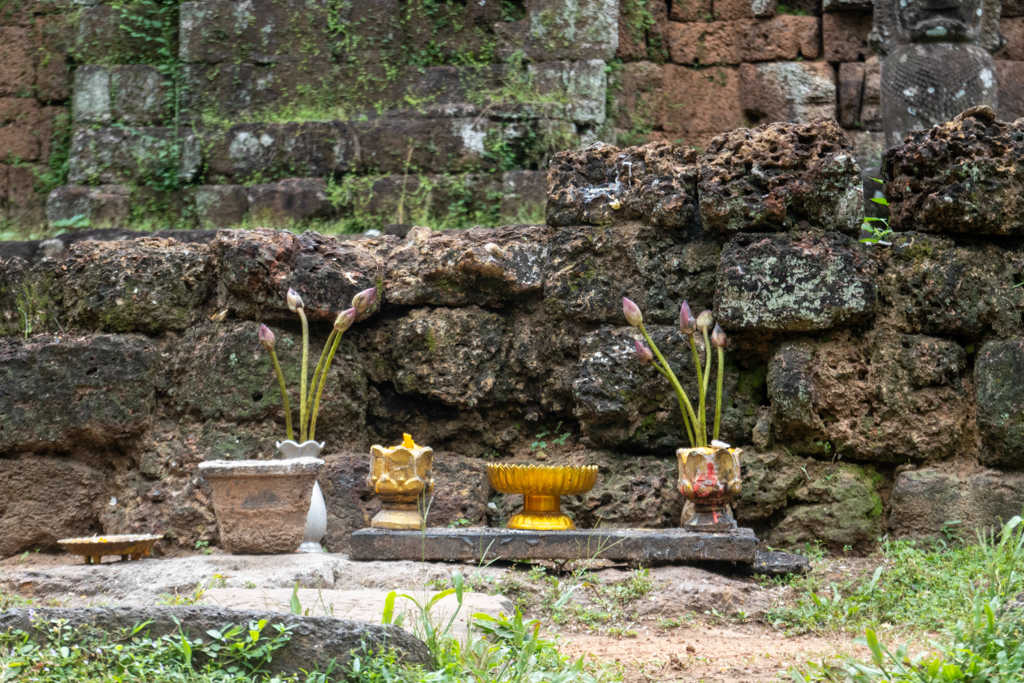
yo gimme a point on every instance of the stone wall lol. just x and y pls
(352, 114)
(874, 388)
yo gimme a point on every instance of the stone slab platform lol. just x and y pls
(476, 544)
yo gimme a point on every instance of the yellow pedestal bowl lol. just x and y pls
(542, 487)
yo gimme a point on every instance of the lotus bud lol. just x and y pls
(364, 300)
(633, 315)
(294, 300)
(266, 337)
(687, 323)
(345, 320)
(718, 337)
(643, 354)
(704, 320)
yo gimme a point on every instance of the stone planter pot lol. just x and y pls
(261, 505)
(316, 520)
(710, 478)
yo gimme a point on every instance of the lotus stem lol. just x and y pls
(672, 378)
(718, 390)
(682, 408)
(323, 382)
(284, 395)
(701, 428)
(317, 376)
(303, 377)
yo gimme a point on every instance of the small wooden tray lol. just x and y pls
(95, 547)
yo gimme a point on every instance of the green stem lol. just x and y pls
(304, 376)
(320, 391)
(672, 379)
(317, 377)
(718, 391)
(682, 408)
(284, 395)
(704, 388)
(702, 427)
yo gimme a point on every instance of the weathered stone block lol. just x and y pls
(25, 206)
(210, 29)
(781, 284)
(871, 109)
(931, 285)
(779, 176)
(43, 499)
(932, 502)
(139, 95)
(29, 298)
(638, 39)
(145, 285)
(797, 92)
(603, 184)
(453, 355)
(106, 206)
(132, 155)
(289, 201)
(128, 34)
(636, 92)
(958, 177)
(19, 129)
(570, 29)
(884, 397)
(250, 151)
(732, 42)
(220, 206)
(999, 377)
(427, 145)
(220, 372)
(524, 195)
(60, 395)
(1010, 76)
(620, 402)
(52, 40)
(851, 93)
(696, 105)
(729, 10)
(769, 478)
(257, 267)
(456, 270)
(1013, 30)
(17, 70)
(845, 36)
(91, 103)
(690, 10)
(590, 269)
(582, 84)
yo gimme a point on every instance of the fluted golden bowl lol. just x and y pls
(542, 487)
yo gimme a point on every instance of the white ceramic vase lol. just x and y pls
(316, 520)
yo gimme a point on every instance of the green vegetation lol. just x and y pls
(965, 594)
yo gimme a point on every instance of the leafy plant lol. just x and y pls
(878, 228)
(309, 402)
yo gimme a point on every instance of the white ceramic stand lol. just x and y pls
(316, 520)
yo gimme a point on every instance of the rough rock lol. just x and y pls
(881, 397)
(106, 206)
(270, 151)
(999, 377)
(489, 267)
(780, 176)
(798, 92)
(693, 108)
(132, 155)
(145, 285)
(257, 267)
(932, 285)
(316, 642)
(61, 394)
(603, 184)
(770, 283)
(590, 269)
(680, 591)
(940, 502)
(30, 298)
(139, 95)
(958, 177)
(46, 499)
(783, 37)
(220, 206)
(290, 201)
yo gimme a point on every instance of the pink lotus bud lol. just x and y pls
(718, 337)
(643, 354)
(266, 337)
(704, 320)
(687, 323)
(364, 300)
(345, 320)
(294, 300)
(633, 315)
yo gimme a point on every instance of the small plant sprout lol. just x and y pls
(310, 393)
(714, 338)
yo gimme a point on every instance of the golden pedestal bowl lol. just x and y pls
(542, 487)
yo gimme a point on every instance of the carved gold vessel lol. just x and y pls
(710, 477)
(542, 487)
(401, 476)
